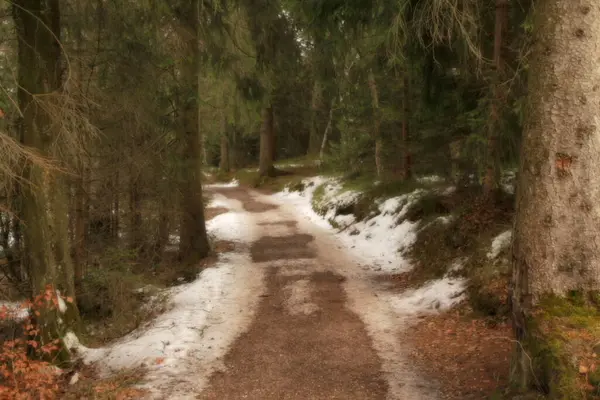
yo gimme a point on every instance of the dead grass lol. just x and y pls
(89, 386)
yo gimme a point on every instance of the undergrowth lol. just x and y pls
(464, 238)
(117, 295)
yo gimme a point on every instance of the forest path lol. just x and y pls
(320, 331)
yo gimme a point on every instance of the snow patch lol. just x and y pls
(431, 179)
(500, 242)
(182, 347)
(438, 295)
(62, 306)
(378, 242)
(14, 311)
(233, 183)
(224, 227)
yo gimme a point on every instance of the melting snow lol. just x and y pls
(378, 242)
(500, 242)
(183, 346)
(233, 183)
(15, 311)
(438, 295)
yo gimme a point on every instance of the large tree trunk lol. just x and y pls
(376, 123)
(267, 143)
(193, 244)
(45, 198)
(556, 245)
(492, 174)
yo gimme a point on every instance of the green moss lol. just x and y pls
(317, 200)
(556, 339)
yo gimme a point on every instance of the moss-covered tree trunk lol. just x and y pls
(267, 143)
(557, 230)
(44, 200)
(193, 244)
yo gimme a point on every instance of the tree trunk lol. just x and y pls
(162, 236)
(492, 174)
(136, 237)
(406, 156)
(376, 123)
(233, 144)
(193, 244)
(81, 224)
(116, 209)
(327, 130)
(44, 201)
(556, 245)
(267, 142)
(315, 107)
(224, 159)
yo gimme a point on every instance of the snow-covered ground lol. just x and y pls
(183, 346)
(379, 242)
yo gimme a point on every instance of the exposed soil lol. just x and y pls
(249, 203)
(269, 248)
(287, 224)
(468, 356)
(322, 354)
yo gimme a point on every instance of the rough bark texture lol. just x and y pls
(193, 245)
(267, 143)
(492, 173)
(557, 230)
(376, 123)
(44, 202)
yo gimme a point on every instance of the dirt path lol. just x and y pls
(319, 332)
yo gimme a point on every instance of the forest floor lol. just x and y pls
(292, 309)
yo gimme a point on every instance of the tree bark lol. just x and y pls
(492, 174)
(556, 245)
(315, 107)
(44, 201)
(267, 143)
(224, 159)
(376, 123)
(136, 237)
(327, 130)
(81, 223)
(406, 156)
(193, 243)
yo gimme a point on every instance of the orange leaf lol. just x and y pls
(160, 360)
